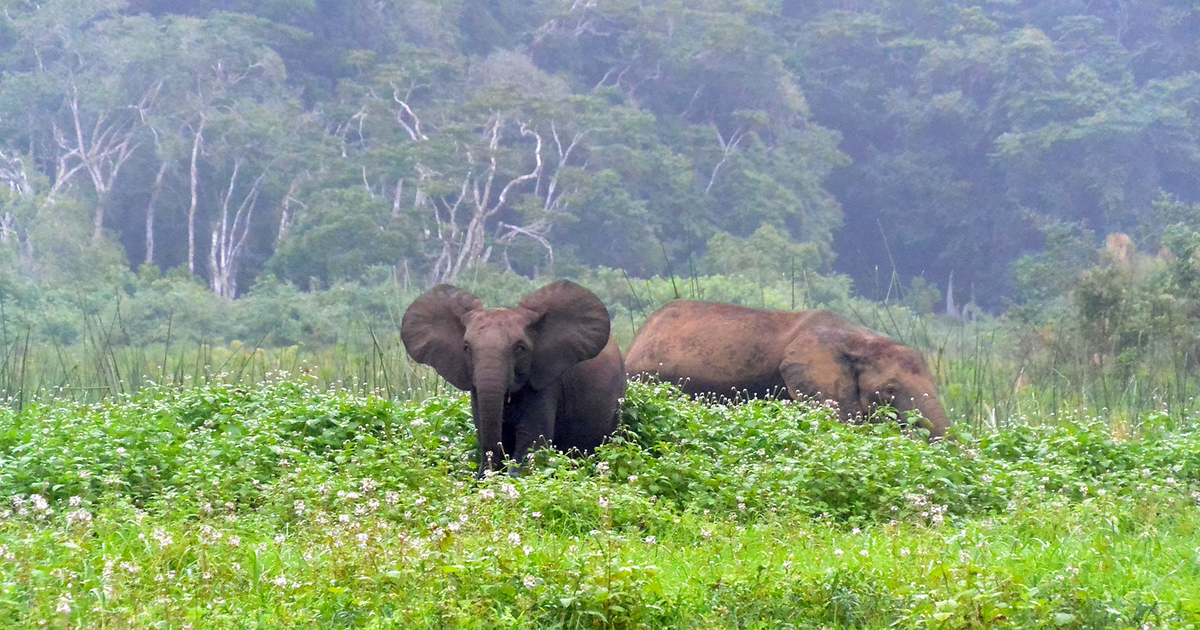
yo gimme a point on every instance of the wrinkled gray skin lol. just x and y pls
(545, 371)
(734, 351)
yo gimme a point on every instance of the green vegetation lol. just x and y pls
(285, 504)
(213, 214)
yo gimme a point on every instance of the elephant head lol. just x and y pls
(497, 354)
(863, 371)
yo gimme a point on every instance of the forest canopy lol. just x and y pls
(321, 141)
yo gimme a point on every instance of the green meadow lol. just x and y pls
(290, 503)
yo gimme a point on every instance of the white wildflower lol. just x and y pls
(161, 537)
(79, 517)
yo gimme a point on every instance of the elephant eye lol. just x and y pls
(467, 348)
(521, 347)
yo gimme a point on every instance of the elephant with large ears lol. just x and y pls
(545, 371)
(733, 351)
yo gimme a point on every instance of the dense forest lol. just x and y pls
(905, 144)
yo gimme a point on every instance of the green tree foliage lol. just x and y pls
(962, 121)
(343, 234)
(1116, 309)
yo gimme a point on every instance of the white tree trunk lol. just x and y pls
(229, 236)
(150, 209)
(194, 177)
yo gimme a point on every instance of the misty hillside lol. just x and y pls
(323, 140)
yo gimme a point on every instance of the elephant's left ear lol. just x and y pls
(571, 325)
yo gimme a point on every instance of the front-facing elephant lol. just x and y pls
(545, 371)
(729, 350)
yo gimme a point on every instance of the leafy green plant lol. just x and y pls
(300, 504)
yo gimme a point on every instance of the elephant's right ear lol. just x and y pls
(433, 329)
(822, 364)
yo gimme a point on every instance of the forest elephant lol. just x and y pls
(728, 350)
(545, 371)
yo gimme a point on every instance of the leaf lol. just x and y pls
(1062, 619)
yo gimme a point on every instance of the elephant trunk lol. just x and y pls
(491, 388)
(933, 411)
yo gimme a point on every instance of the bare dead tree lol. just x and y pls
(7, 227)
(155, 189)
(535, 232)
(472, 250)
(553, 199)
(406, 117)
(398, 197)
(447, 233)
(229, 234)
(194, 178)
(100, 150)
(727, 149)
(285, 215)
(12, 175)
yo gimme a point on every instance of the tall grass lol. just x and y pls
(99, 366)
(991, 372)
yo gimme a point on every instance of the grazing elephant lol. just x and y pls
(543, 371)
(732, 350)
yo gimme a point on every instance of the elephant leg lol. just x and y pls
(589, 405)
(508, 437)
(534, 422)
